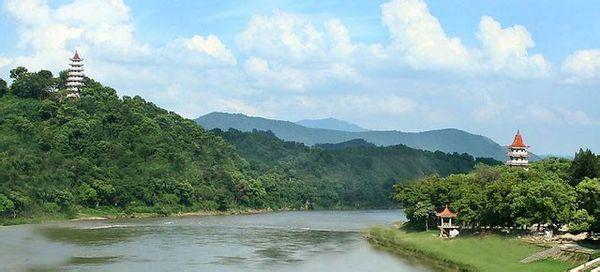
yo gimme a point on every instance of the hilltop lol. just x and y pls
(331, 123)
(446, 140)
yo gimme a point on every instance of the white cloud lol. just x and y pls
(582, 67)
(285, 35)
(265, 77)
(490, 109)
(560, 115)
(542, 114)
(505, 50)
(211, 46)
(5, 62)
(341, 44)
(420, 37)
(421, 41)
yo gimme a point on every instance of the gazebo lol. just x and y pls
(447, 228)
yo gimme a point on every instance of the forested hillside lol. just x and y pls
(446, 140)
(61, 156)
(102, 150)
(351, 175)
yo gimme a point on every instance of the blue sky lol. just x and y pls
(488, 67)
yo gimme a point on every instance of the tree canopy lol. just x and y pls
(59, 155)
(501, 196)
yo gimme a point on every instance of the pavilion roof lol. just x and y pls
(518, 141)
(76, 56)
(446, 212)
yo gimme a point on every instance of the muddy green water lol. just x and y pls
(281, 241)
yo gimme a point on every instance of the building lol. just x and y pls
(517, 152)
(75, 76)
(447, 228)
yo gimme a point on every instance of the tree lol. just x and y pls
(18, 72)
(581, 221)
(88, 195)
(6, 205)
(588, 192)
(542, 201)
(32, 85)
(585, 164)
(423, 212)
(3, 88)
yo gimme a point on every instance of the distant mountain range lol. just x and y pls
(331, 123)
(446, 140)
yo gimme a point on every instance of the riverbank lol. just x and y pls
(108, 213)
(466, 253)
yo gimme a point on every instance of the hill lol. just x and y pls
(352, 174)
(347, 144)
(102, 154)
(331, 123)
(446, 140)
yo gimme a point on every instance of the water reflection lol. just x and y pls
(287, 241)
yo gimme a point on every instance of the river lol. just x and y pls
(279, 241)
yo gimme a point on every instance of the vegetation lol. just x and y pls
(469, 253)
(552, 192)
(344, 175)
(446, 140)
(102, 154)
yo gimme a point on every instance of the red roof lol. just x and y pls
(76, 57)
(518, 141)
(446, 213)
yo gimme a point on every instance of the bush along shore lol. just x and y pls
(484, 252)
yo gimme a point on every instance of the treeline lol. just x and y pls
(553, 192)
(352, 174)
(59, 156)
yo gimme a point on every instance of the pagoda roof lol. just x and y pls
(518, 141)
(76, 56)
(446, 213)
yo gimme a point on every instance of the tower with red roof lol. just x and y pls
(75, 76)
(517, 152)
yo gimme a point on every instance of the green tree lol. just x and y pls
(18, 72)
(542, 201)
(424, 212)
(585, 164)
(3, 88)
(88, 195)
(588, 192)
(581, 221)
(6, 205)
(32, 85)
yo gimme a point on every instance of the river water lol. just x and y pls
(280, 241)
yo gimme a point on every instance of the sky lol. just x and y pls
(487, 67)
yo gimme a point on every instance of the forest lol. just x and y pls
(551, 193)
(60, 156)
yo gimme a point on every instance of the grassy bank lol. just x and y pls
(467, 253)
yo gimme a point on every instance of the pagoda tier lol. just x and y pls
(517, 152)
(75, 76)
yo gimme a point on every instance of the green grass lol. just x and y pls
(466, 253)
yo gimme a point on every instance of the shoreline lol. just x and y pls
(103, 214)
(82, 216)
(486, 252)
(180, 214)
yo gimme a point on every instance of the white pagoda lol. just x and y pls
(75, 76)
(517, 152)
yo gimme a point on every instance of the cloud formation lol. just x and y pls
(420, 40)
(582, 67)
(289, 64)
